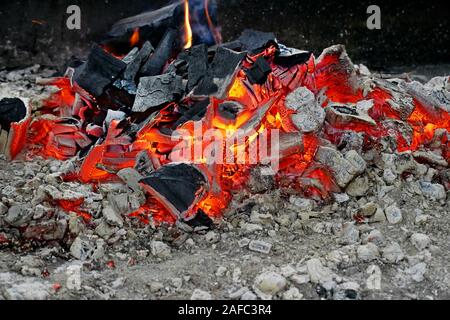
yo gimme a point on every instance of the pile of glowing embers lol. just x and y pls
(116, 112)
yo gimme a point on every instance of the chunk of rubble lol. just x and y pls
(131, 177)
(19, 215)
(318, 273)
(392, 253)
(430, 157)
(268, 284)
(112, 217)
(307, 116)
(420, 241)
(433, 190)
(260, 246)
(86, 247)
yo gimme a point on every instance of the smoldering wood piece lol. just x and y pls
(196, 112)
(99, 71)
(139, 60)
(176, 186)
(116, 99)
(257, 74)
(157, 90)
(221, 73)
(11, 110)
(200, 219)
(163, 17)
(288, 57)
(253, 41)
(341, 114)
(163, 52)
(230, 109)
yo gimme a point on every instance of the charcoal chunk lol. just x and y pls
(135, 65)
(158, 60)
(201, 219)
(176, 186)
(165, 17)
(288, 57)
(196, 112)
(197, 58)
(254, 41)
(257, 74)
(221, 73)
(11, 110)
(100, 71)
(156, 91)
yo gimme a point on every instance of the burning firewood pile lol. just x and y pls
(163, 125)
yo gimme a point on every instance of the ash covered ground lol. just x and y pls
(269, 245)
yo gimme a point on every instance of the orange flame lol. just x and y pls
(134, 40)
(216, 34)
(187, 25)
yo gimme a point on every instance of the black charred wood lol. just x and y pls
(99, 71)
(201, 219)
(195, 113)
(157, 90)
(220, 74)
(288, 57)
(176, 186)
(197, 59)
(11, 110)
(257, 74)
(135, 65)
(163, 18)
(254, 41)
(164, 51)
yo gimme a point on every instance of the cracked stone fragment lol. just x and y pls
(343, 114)
(308, 116)
(344, 170)
(87, 248)
(392, 253)
(420, 241)
(19, 215)
(156, 91)
(373, 282)
(433, 190)
(112, 217)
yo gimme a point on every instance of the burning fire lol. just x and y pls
(240, 123)
(187, 25)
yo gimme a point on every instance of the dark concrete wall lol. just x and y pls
(413, 32)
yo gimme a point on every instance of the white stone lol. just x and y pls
(417, 271)
(87, 248)
(199, 294)
(28, 290)
(269, 284)
(249, 296)
(350, 234)
(433, 191)
(300, 279)
(221, 271)
(373, 282)
(393, 214)
(292, 294)
(393, 253)
(160, 250)
(317, 272)
(212, 237)
(420, 241)
(368, 252)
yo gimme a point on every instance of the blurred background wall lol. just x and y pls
(413, 32)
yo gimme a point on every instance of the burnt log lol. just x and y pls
(178, 187)
(99, 71)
